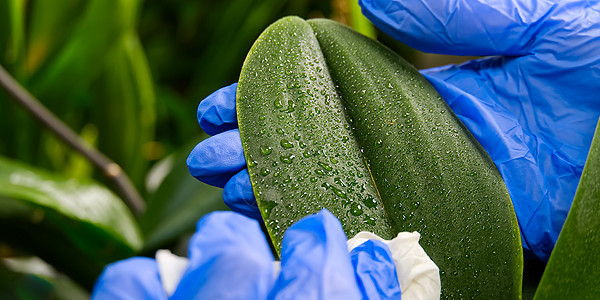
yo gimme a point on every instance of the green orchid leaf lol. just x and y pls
(330, 118)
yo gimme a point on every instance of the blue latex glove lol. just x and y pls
(219, 160)
(533, 105)
(230, 259)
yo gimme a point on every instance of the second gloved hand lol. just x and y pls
(229, 259)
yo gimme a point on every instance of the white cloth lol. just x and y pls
(171, 268)
(418, 275)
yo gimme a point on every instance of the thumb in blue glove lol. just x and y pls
(229, 259)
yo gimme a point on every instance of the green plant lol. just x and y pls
(330, 118)
(70, 47)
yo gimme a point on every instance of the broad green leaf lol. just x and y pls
(573, 271)
(332, 119)
(76, 226)
(178, 203)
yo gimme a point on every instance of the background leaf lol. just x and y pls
(13, 32)
(86, 64)
(76, 226)
(573, 271)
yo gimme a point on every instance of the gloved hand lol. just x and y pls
(533, 105)
(229, 258)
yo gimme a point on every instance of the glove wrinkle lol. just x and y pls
(525, 134)
(497, 27)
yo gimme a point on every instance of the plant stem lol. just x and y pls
(109, 168)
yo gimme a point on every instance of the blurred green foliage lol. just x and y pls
(127, 76)
(58, 216)
(85, 61)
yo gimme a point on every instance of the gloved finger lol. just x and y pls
(462, 27)
(216, 113)
(315, 262)
(133, 278)
(216, 159)
(375, 271)
(229, 259)
(238, 195)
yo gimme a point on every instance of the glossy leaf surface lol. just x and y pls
(330, 118)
